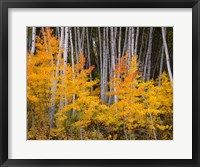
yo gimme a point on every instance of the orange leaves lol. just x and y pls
(122, 67)
(137, 99)
(78, 107)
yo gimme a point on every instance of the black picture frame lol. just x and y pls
(4, 97)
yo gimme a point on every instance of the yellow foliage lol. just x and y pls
(141, 109)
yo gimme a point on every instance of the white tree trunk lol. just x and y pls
(136, 40)
(88, 51)
(146, 74)
(63, 100)
(161, 65)
(129, 46)
(119, 46)
(167, 54)
(141, 46)
(82, 39)
(79, 40)
(54, 87)
(132, 50)
(112, 43)
(101, 66)
(33, 40)
(125, 42)
(104, 64)
(149, 53)
(72, 61)
(147, 77)
(107, 65)
(75, 43)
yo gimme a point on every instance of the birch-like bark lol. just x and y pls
(101, 65)
(75, 44)
(79, 40)
(104, 64)
(108, 65)
(136, 40)
(144, 63)
(33, 40)
(65, 55)
(63, 100)
(147, 77)
(167, 55)
(119, 45)
(88, 51)
(115, 44)
(125, 42)
(149, 53)
(112, 44)
(145, 73)
(129, 46)
(132, 50)
(72, 61)
(72, 48)
(141, 46)
(82, 39)
(161, 66)
(54, 87)
(45, 39)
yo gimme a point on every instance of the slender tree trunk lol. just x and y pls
(154, 132)
(167, 54)
(141, 47)
(145, 54)
(58, 31)
(125, 42)
(149, 53)
(88, 51)
(104, 65)
(79, 40)
(29, 39)
(146, 75)
(75, 44)
(63, 100)
(101, 66)
(82, 39)
(161, 66)
(115, 44)
(136, 41)
(72, 61)
(112, 44)
(132, 50)
(54, 87)
(106, 62)
(129, 46)
(105, 58)
(108, 65)
(119, 46)
(33, 40)
(45, 39)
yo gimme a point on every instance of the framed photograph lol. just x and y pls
(104, 83)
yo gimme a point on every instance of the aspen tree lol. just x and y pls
(33, 40)
(166, 54)
(54, 87)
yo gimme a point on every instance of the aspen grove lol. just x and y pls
(100, 83)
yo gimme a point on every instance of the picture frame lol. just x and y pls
(4, 71)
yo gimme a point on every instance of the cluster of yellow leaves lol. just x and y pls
(40, 68)
(141, 107)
